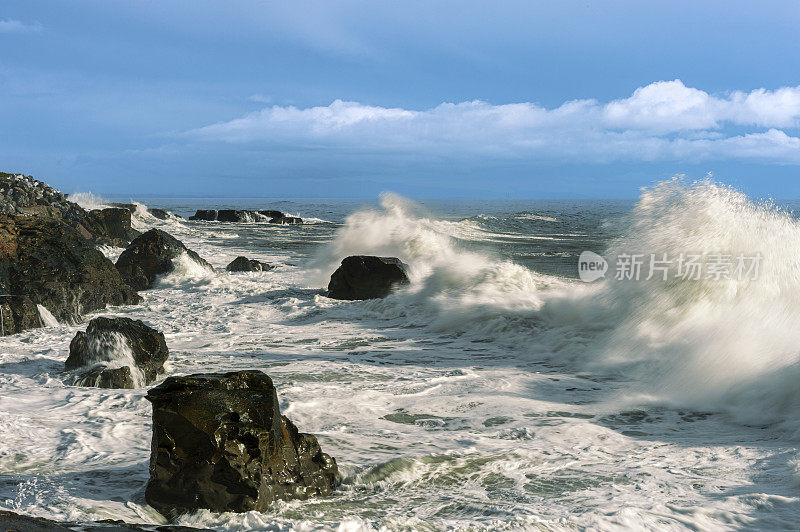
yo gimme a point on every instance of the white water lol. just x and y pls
(483, 395)
(48, 320)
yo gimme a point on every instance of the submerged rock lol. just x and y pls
(46, 262)
(286, 220)
(243, 264)
(221, 443)
(117, 341)
(366, 277)
(151, 254)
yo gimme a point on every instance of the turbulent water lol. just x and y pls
(496, 391)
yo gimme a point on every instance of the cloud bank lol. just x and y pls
(665, 120)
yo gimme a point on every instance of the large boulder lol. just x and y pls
(366, 277)
(221, 443)
(243, 264)
(118, 351)
(46, 262)
(110, 226)
(151, 254)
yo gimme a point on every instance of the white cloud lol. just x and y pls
(662, 121)
(15, 26)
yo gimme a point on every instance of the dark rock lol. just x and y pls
(103, 377)
(239, 215)
(51, 264)
(287, 220)
(206, 215)
(114, 340)
(127, 206)
(111, 226)
(150, 255)
(220, 442)
(18, 313)
(243, 264)
(235, 216)
(366, 277)
(161, 214)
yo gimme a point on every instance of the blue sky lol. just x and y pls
(427, 99)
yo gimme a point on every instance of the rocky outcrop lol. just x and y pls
(110, 226)
(221, 443)
(151, 254)
(236, 215)
(366, 277)
(119, 352)
(27, 196)
(243, 264)
(44, 261)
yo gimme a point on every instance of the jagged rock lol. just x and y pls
(28, 196)
(150, 255)
(220, 442)
(51, 264)
(271, 214)
(243, 264)
(288, 220)
(116, 341)
(111, 226)
(366, 277)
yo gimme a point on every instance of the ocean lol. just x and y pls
(497, 391)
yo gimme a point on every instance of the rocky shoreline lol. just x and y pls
(220, 441)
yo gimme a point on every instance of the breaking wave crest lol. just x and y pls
(711, 344)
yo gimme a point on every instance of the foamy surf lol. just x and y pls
(496, 391)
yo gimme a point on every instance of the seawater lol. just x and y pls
(495, 392)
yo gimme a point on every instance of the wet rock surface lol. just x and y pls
(111, 226)
(221, 443)
(240, 216)
(151, 254)
(45, 261)
(243, 264)
(366, 277)
(24, 195)
(115, 341)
